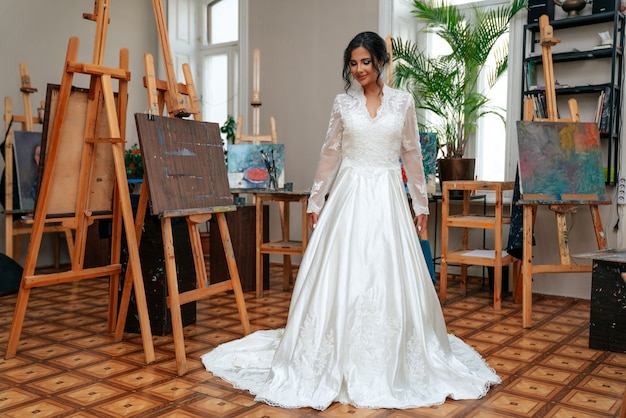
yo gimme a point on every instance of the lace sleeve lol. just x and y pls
(330, 159)
(412, 161)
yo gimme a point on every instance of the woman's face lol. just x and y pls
(362, 67)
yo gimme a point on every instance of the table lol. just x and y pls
(285, 246)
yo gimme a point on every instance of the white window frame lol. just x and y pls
(237, 53)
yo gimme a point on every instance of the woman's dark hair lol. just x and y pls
(375, 45)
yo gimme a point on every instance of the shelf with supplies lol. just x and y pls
(598, 90)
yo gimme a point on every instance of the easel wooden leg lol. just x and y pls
(40, 214)
(562, 239)
(128, 280)
(174, 296)
(234, 272)
(8, 236)
(517, 282)
(527, 268)
(497, 285)
(134, 264)
(259, 241)
(116, 249)
(18, 321)
(283, 208)
(597, 226)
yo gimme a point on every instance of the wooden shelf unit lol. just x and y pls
(466, 221)
(285, 246)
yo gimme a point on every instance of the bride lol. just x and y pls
(365, 326)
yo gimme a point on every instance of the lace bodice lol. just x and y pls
(357, 141)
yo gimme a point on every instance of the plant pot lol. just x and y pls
(456, 169)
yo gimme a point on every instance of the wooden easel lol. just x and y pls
(256, 138)
(103, 113)
(15, 226)
(158, 92)
(560, 207)
(256, 103)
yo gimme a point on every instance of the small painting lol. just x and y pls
(428, 142)
(248, 165)
(560, 158)
(27, 150)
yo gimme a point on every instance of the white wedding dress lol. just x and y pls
(365, 326)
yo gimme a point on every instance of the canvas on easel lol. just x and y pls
(184, 164)
(64, 184)
(561, 159)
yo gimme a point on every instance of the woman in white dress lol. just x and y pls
(365, 326)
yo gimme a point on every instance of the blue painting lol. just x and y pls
(428, 142)
(248, 165)
(560, 158)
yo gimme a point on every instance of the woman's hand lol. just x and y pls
(312, 220)
(420, 221)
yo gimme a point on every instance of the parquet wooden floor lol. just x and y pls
(67, 364)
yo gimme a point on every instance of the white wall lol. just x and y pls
(37, 32)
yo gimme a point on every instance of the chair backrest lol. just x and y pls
(251, 139)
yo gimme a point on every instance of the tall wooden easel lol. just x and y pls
(15, 227)
(183, 101)
(561, 208)
(104, 133)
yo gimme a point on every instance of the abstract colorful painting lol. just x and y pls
(560, 158)
(248, 169)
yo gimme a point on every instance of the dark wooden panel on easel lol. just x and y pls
(186, 159)
(64, 191)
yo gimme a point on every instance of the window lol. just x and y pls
(219, 60)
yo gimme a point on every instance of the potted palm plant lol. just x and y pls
(446, 85)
